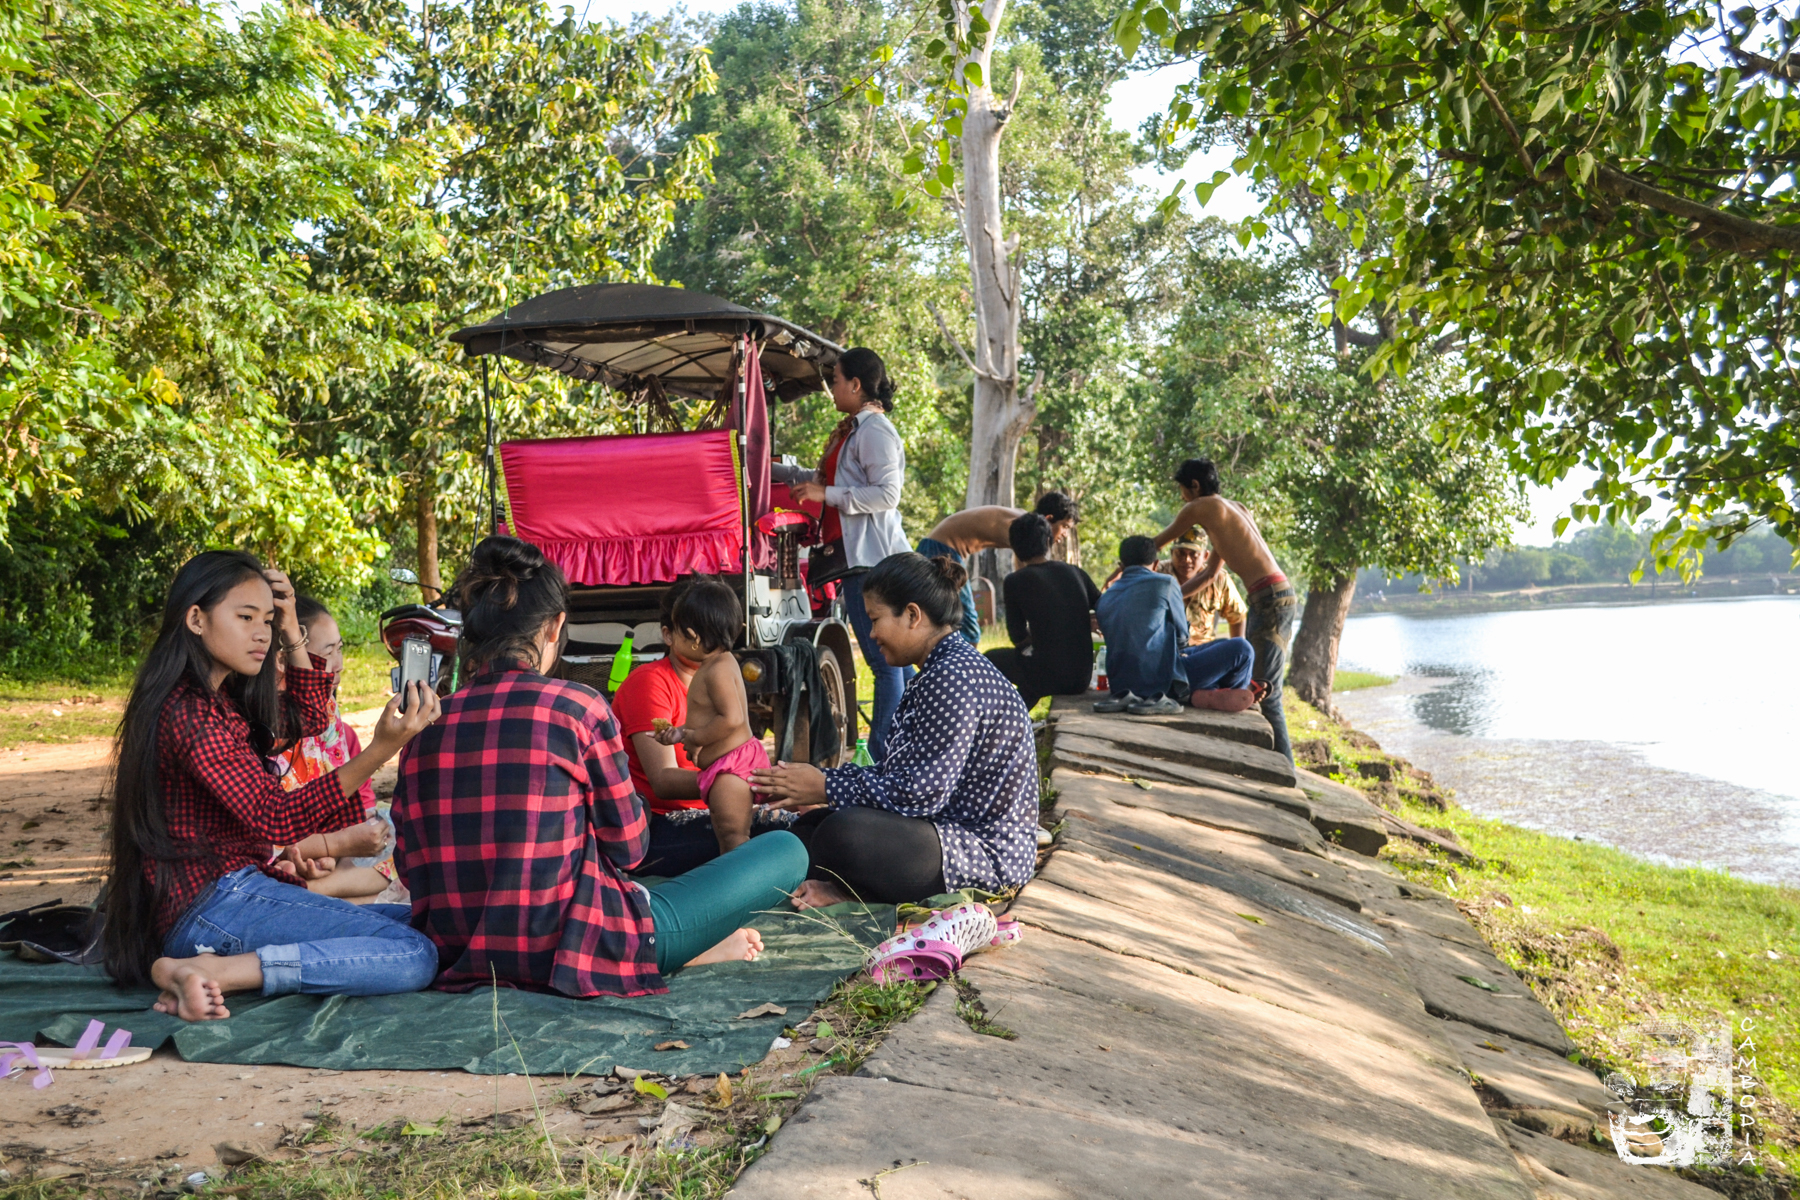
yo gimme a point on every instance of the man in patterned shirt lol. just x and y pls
(1218, 598)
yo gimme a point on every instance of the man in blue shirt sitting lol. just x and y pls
(1144, 621)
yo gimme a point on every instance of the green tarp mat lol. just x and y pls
(805, 955)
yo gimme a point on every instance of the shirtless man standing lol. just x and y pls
(963, 535)
(1239, 545)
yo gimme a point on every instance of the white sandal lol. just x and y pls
(968, 927)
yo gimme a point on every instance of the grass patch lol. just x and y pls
(1609, 941)
(973, 1011)
(366, 682)
(1350, 681)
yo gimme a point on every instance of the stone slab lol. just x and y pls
(1183, 849)
(1131, 885)
(851, 1130)
(1344, 815)
(1203, 806)
(1436, 917)
(1096, 755)
(1202, 1060)
(1526, 1076)
(1174, 744)
(1284, 960)
(1437, 967)
(1249, 726)
(1564, 1172)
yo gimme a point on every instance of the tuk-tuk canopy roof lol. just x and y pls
(625, 334)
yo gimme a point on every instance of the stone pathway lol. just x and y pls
(1216, 996)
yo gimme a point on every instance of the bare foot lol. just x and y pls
(815, 893)
(188, 989)
(743, 946)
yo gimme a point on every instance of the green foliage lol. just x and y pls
(230, 252)
(1343, 471)
(802, 218)
(1600, 196)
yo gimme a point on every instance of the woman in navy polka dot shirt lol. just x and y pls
(955, 802)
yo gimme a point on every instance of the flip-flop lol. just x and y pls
(118, 1052)
(919, 960)
(968, 927)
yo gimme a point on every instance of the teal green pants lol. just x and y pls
(696, 911)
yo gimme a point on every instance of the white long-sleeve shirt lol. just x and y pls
(871, 470)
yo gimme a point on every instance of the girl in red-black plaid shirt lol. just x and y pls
(516, 819)
(195, 904)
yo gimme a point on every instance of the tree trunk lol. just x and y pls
(1001, 412)
(1316, 645)
(425, 524)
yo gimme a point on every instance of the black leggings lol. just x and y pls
(882, 857)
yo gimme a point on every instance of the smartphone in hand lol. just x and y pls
(415, 663)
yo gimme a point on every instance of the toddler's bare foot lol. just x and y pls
(188, 989)
(816, 893)
(743, 946)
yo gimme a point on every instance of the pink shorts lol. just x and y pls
(740, 762)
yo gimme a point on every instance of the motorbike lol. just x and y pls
(433, 620)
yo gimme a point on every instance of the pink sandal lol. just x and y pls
(917, 960)
(1008, 932)
(968, 927)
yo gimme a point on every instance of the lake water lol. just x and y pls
(1671, 730)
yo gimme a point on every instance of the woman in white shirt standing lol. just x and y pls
(859, 481)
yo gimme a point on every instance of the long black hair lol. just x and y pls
(507, 594)
(140, 831)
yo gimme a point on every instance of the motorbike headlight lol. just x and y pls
(753, 670)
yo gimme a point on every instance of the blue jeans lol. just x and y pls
(890, 682)
(318, 945)
(971, 622)
(696, 911)
(1224, 663)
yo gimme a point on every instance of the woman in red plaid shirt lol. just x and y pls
(195, 904)
(516, 819)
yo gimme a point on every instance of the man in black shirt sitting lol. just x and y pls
(1047, 613)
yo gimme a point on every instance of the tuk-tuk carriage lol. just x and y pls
(627, 515)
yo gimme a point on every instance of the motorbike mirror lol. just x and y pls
(402, 575)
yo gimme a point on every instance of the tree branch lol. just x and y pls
(1784, 68)
(1745, 233)
(956, 345)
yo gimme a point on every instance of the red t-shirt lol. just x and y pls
(652, 690)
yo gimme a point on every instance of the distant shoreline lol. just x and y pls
(1574, 595)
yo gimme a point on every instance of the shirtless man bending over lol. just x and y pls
(963, 535)
(1238, 544)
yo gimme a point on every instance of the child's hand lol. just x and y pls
(671, 734)
(307, 868)
(364, 840)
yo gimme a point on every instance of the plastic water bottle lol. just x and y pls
(1099, 680)
(621, 666)
(863, 758)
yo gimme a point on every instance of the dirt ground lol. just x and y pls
(52, 846)
(166, 1111)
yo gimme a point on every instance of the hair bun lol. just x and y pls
(950, 571)
(496, 569)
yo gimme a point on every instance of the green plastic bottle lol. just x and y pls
(862, 758)
(621, 666)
